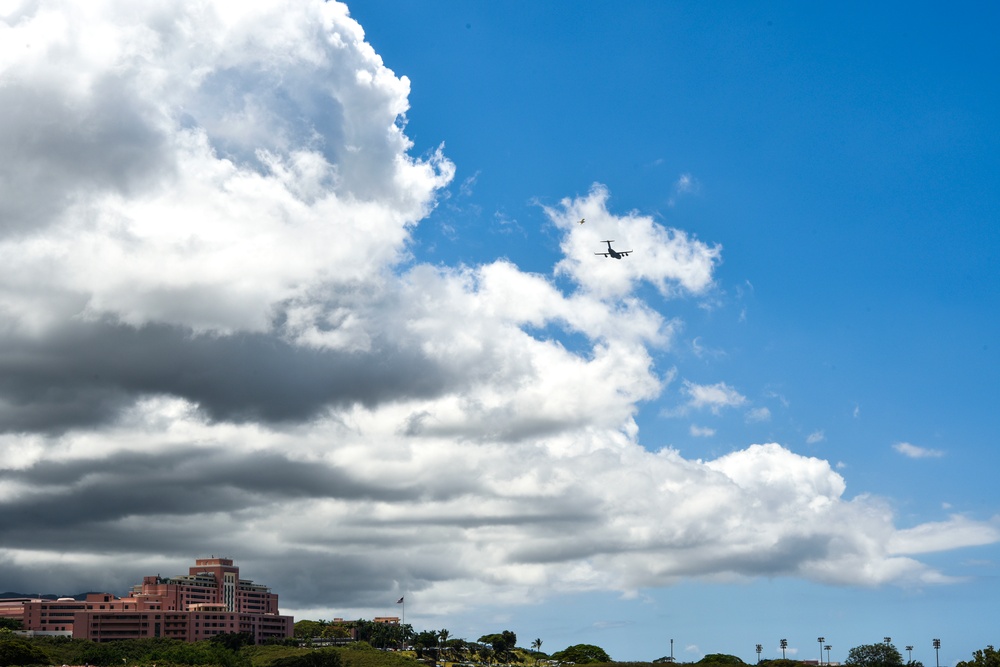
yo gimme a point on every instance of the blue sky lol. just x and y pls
(844, 158)
(303, 284)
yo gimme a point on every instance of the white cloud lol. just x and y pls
(955, 533)
(701, 431)
(701, 351)
(914, 452)
(685, 184)
(201, 164)
(761, 414)
(212, 331)
(815, 437)
(712, 396)
(671, 259)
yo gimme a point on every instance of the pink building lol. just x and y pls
(210, 581)
(14, 607)
(210, 600)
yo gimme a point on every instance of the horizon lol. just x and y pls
(758, 660)
(790, 649)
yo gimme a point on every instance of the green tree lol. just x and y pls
(360, 646)
(720, 659)
(874, 655)
(320, 658)
(536, 645)
(582, 654)
(443, 635)
(10, 623)
(383, 635)
(459, 649)
(306, 629)
(17, 651)
(426, 641)
(233, 641)
(987, 657)
(501, 644)
(339, 630)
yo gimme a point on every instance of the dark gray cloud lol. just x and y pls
(85, 373)
(349, 581)
(186, 481)
(171, 506)
(352, 581)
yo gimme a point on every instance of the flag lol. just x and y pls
(399, 601)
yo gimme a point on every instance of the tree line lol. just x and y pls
(429, 646)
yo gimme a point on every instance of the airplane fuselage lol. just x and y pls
(612, 252)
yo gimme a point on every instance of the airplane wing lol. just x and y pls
(624, 252)
(603, 253)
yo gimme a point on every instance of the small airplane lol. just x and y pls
(617, 254)
(582, 220)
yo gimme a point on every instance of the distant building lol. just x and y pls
(211, 581)
(14, 607)
(210, 600)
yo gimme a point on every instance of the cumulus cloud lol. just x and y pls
(671, 259)
(211, 330)
(210, 166)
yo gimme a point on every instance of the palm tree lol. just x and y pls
(536, 645)
(442, 638)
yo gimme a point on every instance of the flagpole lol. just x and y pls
(402, 622)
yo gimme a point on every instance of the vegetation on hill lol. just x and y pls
(582, 654)
(16, 651)
(434, 649)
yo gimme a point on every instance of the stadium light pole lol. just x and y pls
(759, 649)
(909, 654)
(821, 640)
(937, 647)
(784, 645)
(828, 647)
